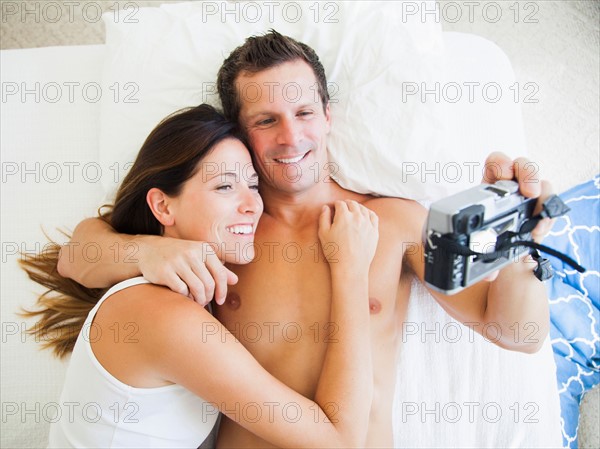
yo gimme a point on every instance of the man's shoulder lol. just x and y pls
(393, 208)
(400, 220)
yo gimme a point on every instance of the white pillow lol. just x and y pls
(167, 58)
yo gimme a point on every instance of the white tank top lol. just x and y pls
(98, 410)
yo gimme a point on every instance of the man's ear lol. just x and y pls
(328, 117)
(160, 205)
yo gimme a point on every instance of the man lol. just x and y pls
(279, 309)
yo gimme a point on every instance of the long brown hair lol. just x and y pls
(168, 158)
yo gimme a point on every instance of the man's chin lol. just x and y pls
(297, 185)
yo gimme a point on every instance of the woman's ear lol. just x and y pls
(160, 205)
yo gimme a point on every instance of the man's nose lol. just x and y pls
(288, 133)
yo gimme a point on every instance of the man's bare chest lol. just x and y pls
(287, 290)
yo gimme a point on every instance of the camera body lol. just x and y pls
(482, 218)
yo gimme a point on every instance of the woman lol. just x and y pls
(152, 368)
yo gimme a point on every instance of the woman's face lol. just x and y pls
(220, 204)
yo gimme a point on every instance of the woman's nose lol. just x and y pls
(250, 202)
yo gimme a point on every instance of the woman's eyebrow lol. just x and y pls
(224, 175)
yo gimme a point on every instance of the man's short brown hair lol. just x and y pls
(259, 53)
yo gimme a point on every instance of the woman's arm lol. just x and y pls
(191, 348)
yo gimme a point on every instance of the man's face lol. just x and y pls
(282, 112)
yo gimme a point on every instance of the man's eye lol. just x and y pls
(305, 113)
(264, 122)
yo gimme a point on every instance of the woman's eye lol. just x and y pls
(254, 187)
(225, 187)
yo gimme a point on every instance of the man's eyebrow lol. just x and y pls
(309, 103)
(257, 114)
(298, 106)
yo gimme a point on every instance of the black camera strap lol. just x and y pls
(543, 270)
(552, 207)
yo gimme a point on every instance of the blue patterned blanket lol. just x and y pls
(574, 302)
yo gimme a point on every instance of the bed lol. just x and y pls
(73, 117)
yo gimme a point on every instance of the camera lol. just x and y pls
(469, 234)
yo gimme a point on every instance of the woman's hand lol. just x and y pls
(349, 238)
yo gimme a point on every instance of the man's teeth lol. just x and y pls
(292, 160)
(240, 229)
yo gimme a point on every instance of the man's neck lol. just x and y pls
(300, 209)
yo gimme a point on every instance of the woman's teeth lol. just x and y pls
(240, 229)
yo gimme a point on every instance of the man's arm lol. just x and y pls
(92, 256)
(511, 307)
(511, 311)
(99, 257)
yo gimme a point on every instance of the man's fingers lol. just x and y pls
(197, 279)
(498, 166)
(544, 226)
(175, 283)
(219, 275)
(194, 283)
(207, 280)
(546, 191)
(526, 174)
(232, 278)
(542, 229)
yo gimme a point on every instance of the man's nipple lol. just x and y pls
(233, 301)
(374, 306)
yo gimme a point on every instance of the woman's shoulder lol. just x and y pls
(148, 303)
(151, 316)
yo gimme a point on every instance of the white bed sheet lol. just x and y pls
(53, 136)
(454, 389)
(64, 135)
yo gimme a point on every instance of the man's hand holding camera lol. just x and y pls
(498, 167)
(494, 286)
